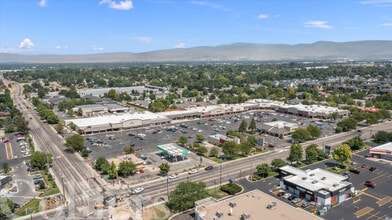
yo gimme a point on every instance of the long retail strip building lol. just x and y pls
(101, 121)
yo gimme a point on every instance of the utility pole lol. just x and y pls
(220, 175)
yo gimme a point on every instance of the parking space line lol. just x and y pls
(373, 215)
(374, 197)
(382, 217)
(384, 201)
(363, 211)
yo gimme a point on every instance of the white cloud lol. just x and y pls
(26, 44)
(211, 5)
(318, 24)
(42, 3)
(378, 3)
(263, 16)
(143, 39)
(122, 5)
(97, 48)
(387, 24)
(180, 45)
(59, 47)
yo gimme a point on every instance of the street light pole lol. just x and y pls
(167, 188)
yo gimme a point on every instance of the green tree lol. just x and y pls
(347, 124)
(277, 163)
(182, 140)
(382, 137)
(252, 125)
(214, 152)
(6, 207)
(164, 168)
(342, 154)
(251, 139)
(199, 138)
(263, 169)
(296, 153)
(40, 159)
(300, 135)
(355, 143)
(230, 148)
(311, 153)
(75, 142)
(129, 150)
(243, 126)
(6, 167)
(113, 170)
(245, 148)
(60, 127)
(126, 167)
(314, 131)
(80, 112)
(101, 163)
(202, 149)
(185, 195)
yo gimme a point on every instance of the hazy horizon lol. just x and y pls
(131, 26)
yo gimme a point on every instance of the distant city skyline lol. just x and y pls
(108, 26)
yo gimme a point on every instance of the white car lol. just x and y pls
(138, 190)
(173, 176)
(192, 171)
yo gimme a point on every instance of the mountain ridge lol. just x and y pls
(320, 50)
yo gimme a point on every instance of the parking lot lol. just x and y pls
(145, 140)
(371, 203)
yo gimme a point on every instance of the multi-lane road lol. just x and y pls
(75, 178)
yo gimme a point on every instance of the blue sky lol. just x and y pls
(103, 26)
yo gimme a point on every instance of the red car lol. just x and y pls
(370, 184)
(280, 194)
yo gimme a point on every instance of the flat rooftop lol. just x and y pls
(316, 179)
(253, 204)
(387, 147)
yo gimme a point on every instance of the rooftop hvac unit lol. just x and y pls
(323, 178)
(314, 181)
(219, 214)
(232, 204)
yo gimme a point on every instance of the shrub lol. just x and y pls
(231, 188)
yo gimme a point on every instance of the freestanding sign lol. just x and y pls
(327, 149)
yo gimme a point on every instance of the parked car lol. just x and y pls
(372, 168)
(193, 171)
(280, 194)
(370, 184)
(36, 182)
(305, 204)
(37, 177)
(296, 200)
(109, 200)
(209, 167)
(287, 195)
(173, 176)
(354, 171)
(363, 166)
(291, 197)
(137, 190)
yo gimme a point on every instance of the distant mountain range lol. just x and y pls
(322, 50)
